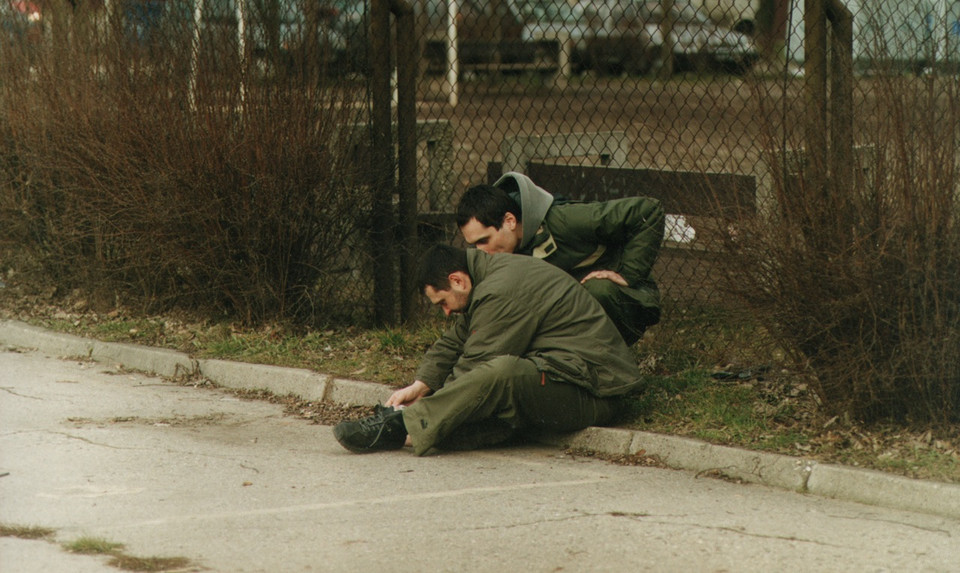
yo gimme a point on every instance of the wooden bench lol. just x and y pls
(687, 271)
(556, 163)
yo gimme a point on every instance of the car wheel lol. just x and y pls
(745, 27)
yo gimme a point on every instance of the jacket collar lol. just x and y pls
(477, 263)
(534, 203)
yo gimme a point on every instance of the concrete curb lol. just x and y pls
(877, 488)
(162, 361)
(281, 381)
(775, 470)
(18, 334)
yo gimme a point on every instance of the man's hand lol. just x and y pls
(608, 275)
(408, 395)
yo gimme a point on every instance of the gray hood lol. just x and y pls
(534, 202)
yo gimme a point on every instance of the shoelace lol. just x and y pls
(369, 423)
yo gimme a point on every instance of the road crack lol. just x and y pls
(738, 530)
(10, 391)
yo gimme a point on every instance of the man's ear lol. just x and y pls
(509, 221)
(458, 279)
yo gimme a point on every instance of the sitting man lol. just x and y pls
(529, 350)
(610, 246)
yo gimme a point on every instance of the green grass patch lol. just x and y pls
(929, 464)
(120, 560)
(98, 546)
(131, 330)
(393, 341)
(692, 403)
(25, 531)
(706, 337)
(916, 461)
(389, 356)
(131, 563)
(93, 546)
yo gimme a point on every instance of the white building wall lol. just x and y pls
(893, 30)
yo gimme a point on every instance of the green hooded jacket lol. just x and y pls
(621, 235)
(533, 310)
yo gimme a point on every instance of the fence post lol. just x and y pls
(390, 228)
(382, 216)
(829, 132)
(841, 95)
(815, 71)
(407, 152)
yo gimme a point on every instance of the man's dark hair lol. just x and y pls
(488, 205)
(437, 264)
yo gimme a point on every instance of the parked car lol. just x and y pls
(738, 15)
(627, 36)
(554, 20)
(617, 39)
(697, 41)
(509, 32)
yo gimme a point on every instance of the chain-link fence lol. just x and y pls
(697, 103)
(703, 104)
(590, 101)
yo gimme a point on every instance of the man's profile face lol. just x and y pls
(492, 240)
(451, 301)
(454, 299)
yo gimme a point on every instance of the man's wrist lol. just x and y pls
(420, 387)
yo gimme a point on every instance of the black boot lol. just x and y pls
(384, 430)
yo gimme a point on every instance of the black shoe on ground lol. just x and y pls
(384, 430)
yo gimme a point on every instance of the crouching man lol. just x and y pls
(609, 246)
(529, 350)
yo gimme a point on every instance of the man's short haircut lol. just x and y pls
(437, 264)
(488, 205)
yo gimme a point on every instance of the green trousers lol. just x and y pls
(495, 401)
(630, 317)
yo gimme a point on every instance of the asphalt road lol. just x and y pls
(236, 486)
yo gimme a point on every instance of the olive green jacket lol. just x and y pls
(621, 235)
(533, 310)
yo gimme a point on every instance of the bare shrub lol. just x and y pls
(228, 191)
(863, 282)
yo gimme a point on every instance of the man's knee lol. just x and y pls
(629, 316)
(608, 294)
(500, 369)
(603, 290)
